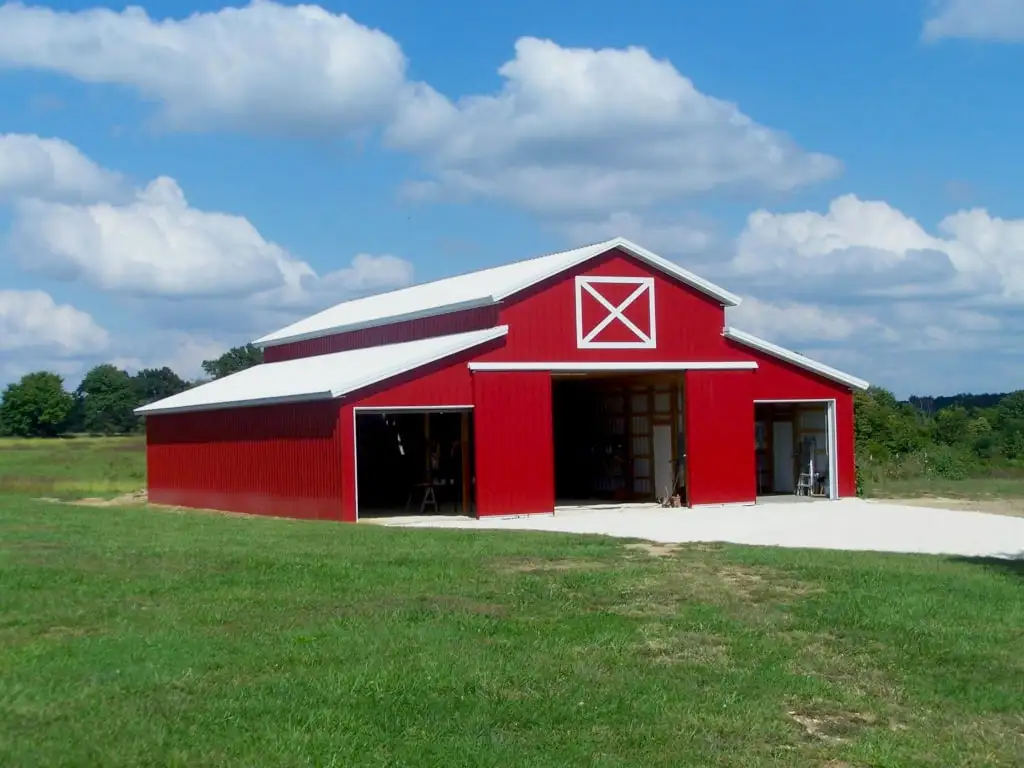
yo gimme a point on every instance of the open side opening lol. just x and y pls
(795, 450)
(411, 462)
(618, 439)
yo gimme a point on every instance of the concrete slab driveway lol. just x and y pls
(851, 524)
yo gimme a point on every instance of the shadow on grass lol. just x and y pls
(1013, 565)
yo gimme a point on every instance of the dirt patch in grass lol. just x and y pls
(653, 549)
(833, 727)
(123, 500)
(541, 565)
(824, 656)
(663, 645)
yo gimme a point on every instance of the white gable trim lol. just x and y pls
(638, 367)
(795, 358)
(648, 257)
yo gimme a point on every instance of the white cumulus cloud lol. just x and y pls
(578, 128)
(158, 245)
(263, 67)
(33, 321)
(977, 19)
(51, 169)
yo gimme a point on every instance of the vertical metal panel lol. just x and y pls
(282, 460)
(515, 465)
(720, 436)
(349, 458)
(409, 330)
(445, 383)
(845, 445)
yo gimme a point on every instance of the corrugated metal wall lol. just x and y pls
(410, 330)
(719, 409)
(515, 465)
(283, 460)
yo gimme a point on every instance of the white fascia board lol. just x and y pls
(275, 339)
(567, 367)
(147, 410)
(795, 358)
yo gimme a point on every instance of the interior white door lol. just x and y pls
(664, 470)
(782, 451)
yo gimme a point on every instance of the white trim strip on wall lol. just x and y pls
(581, 367)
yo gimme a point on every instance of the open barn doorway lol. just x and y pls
(618, 439)
(413, 462)
(795, 449)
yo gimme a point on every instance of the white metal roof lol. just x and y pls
(321, 377)
(475, 289)
(795, 358)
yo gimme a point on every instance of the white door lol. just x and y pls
(782, 450)
(664, 469)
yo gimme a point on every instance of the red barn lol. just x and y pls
(604, 373)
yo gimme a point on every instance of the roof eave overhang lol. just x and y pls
(335, 393)
(795, 358)
(272, 340)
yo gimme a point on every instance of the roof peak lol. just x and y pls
(473, 289)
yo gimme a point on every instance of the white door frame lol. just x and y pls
(830, 426)
(360, 409)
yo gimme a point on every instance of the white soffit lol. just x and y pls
(795, 358)
(476, 289)
(321, 377)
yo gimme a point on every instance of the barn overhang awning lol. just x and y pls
(322, 377)
(794, 358)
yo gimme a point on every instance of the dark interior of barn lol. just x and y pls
(618, 439)
(413, 463)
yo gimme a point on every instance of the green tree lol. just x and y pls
(152, 384)
(952, 426)
(108, 397)
(36, 406)
(234, 360)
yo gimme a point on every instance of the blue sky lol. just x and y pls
(182, 178)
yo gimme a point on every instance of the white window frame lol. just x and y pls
(643, 285)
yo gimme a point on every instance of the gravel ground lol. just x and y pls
(851, 524)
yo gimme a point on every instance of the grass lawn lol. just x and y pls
(133, 636)
(73, 467)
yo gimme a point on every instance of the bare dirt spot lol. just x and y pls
(539, 565)
(124, 500)
(835, 728)
(1009, 507)
(653, 549)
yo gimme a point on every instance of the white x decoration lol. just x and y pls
(588, 339)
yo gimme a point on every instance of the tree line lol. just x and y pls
(949, 437)
(104, 402)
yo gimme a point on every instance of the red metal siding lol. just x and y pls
(282, 460)
(542, 320)
(720, 437)
(846, 443)
(778, 380)
(347, 429)
(515, 464)
(409, 330)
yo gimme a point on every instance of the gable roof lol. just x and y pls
(475, 289)
(322, 377)
(795, 358)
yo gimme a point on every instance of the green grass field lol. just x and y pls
(73, 467)
(138, 636)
